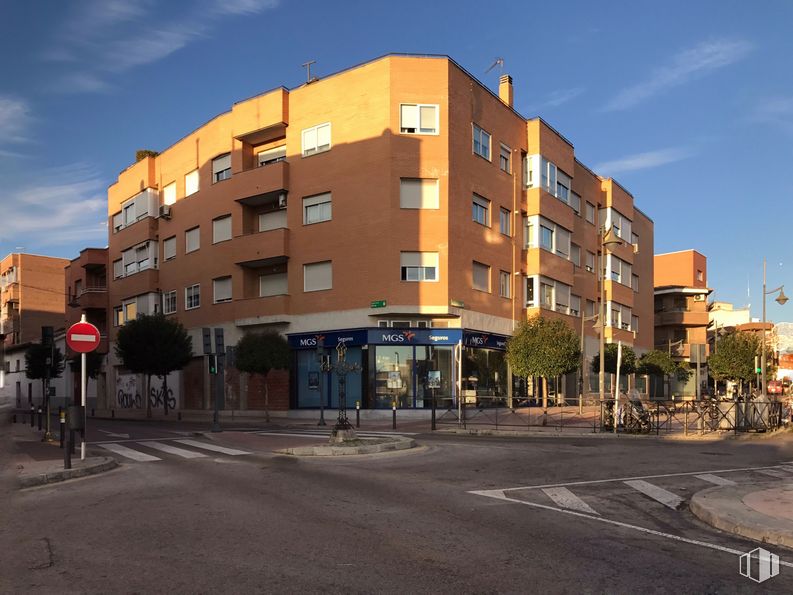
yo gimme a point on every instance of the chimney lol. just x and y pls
(505, 89)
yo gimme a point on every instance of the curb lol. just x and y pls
(570, 434)
(334, 451)
(101, 465)
(723, 508)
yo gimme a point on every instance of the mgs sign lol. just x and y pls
(398, 337)
(311, 341)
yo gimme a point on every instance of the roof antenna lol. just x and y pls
(307, 66)
(497, 62)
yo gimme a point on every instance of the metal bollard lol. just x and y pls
(62, 420)
(71, 442)
(357, 414)
(68, 451)
(393, 418)
(113, 413)
(178, 416)
(39, 410)
(92, 412)
(32, 414)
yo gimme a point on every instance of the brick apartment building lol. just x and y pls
(681, 314)
(31, 296)
(399, 206)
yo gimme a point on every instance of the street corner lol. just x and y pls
(39, 473)
(762, 511)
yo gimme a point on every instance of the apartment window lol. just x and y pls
(118, 316)
(169, 248)
(562, 295)
(169, 194)
(275, 284)
(505, 159)
(169, 302)
(481, 210)
(530, 303)
(590, 261)
(191, 183)
(318, 276)
(481, 276)
(575, 305)
(221, 290)
(562, 242)
(419, 266)
(418, 118)
(562, 187)
(635, 324)
(528, 233)
(635, 283)
(316, 139)
(221, 168)
(590, 213)
(192, 239)
(317, 208)
(575, 254)
(621, 271)
(118, 269)
(590, 308)
(618, 316)
(546, 295)
(575, 202)
(618, 222)
(221, 229)
(700, 275)
(418, 193)
(130, 310)
(139, 258)
(505, 221)
(192, 297)
(546, 238)
(481, 142)
(504, 285)
(269, 156)
(635, 242)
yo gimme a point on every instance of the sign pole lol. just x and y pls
(82, 397)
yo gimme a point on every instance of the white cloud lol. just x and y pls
(555, 99)
(775, 111)
(64, 204)
(15, 119)
(238, 7)
(686, 65)
(645, 160)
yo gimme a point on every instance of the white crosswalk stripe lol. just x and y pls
(212, 447)
(173, 450)
(774, 473)
(326, 433)
(564, 498)
(130, 453)
(787, 468)
(715, 479)
(661, 495)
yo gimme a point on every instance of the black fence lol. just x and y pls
(633, 416)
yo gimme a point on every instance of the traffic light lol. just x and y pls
(757, 368)
(47, 335)
(213, 364)
(206, 337)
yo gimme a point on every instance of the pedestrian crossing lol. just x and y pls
(140, 451)
(635, 496)
(325, 433)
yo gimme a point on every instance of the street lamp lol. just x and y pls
(608, 238)
(599, 328)
(781, 299)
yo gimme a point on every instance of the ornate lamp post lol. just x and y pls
(781, 299)
(343, 430)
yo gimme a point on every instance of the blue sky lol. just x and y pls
(688, 104)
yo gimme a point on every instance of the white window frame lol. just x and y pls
(307, 267)
(560, 295)
(169, 194)
(589, 263)
(484, 205)
(505, 155)
(192, 296)
(419, 267)
(479, 135)
(619, 270)
(192, 183)
(623, 318)
(139, 258)
(410, 113)
(169, 302)
(319, 206)
(221, 283)
(187, 235)
(505, 221)
(481, 267)
(310, 139)
(219, 231)
(218, 175)
(504, 284)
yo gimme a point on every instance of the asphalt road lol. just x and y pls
(402, 522)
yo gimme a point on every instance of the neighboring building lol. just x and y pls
(681, 314)
(399, 206)
(86, 293)
(31, 296)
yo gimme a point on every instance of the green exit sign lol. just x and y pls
(377, 304)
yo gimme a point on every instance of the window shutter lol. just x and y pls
(318, 276)
(409, 118)
(323, 136)
(428, 118)
(222, 289)
(169, 194)
(191, 183)
(221, 163)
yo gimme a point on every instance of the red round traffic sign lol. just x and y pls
(82, 337)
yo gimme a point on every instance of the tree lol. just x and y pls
(39, 367)
(93, 363)
(154, 345)
(657, 363)
(258, 353)
(734, 358)
(543, 347)
(627, 362)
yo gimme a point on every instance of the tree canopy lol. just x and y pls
(733, 357)
(36, 357)
(258, 353)
(543, 347)
(660, 363)
(627, 362)
(93, 363)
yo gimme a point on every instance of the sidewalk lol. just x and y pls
(38, 463)
(762, 512)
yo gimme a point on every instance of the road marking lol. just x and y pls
(786, 468)
(114, 434)
(367, 433)
(661, 495)
(181, 452)
(774, 473)
(500, 495)
(623, 479)
(130, 453)
(213, 447)
(567, 499)
(715, 479)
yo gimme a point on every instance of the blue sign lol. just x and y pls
(485, 340)
(395, 336)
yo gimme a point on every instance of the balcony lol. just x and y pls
(9, 325)
(680, 317)
(261, 249)
(258, 310)
(10, 292)
(90, 298)
(259, 119)
(259, 185)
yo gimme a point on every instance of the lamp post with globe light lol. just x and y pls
(781, 299)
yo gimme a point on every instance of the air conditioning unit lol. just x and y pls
(165, 211)
(700, 297)
(282, 201)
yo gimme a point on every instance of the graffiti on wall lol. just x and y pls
(156, 397)
(127, 394)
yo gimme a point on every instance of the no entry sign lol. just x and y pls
(82, 337)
